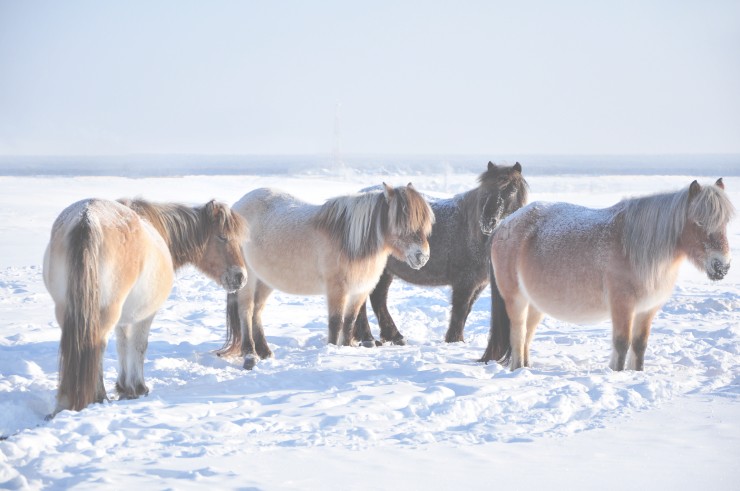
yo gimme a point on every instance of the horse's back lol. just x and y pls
(283, 247)
(129, 251)
(558, 256)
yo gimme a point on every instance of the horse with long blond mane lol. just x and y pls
(337, 249)
(111, 264)
(583, 265)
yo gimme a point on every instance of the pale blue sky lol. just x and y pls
(453, 77)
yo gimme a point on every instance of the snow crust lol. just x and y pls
(421, 416)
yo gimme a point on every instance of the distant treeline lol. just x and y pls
(179, 165)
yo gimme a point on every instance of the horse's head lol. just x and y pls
(410, 220)
(502, 191)
(222, 257)
(704, 238)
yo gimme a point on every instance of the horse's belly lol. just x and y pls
(289, 273)
(293, 281)
(569, 302)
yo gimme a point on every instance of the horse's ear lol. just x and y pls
(410, 186)
(720, 184)
(214, 209)
(694, 189)
(491, 165)
(388, 192)
(518, 167)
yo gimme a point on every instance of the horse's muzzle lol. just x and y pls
(417, 260)
(718, 270)
(487, 228)
(234, 280)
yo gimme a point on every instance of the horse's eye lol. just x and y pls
(222, 238)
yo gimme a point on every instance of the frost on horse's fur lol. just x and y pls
(338, 249)
(583, 265)
(111, 264)
(458, 251)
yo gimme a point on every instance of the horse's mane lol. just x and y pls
(654, 224)
(186, 230)
(361, 221)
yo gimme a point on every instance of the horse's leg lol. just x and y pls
(245, 299)
(354, 305)
(379, 302)
(534, 317)
(640, 334)
(261, 294)
(517, 309)
(622, 320)
(362, 331)
(139, 343)
(463, 298)
(123, 347)
(336, 300)
(108, 319)
(131, 343)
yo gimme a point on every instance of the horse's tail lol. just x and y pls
(499, 337)
(81, 346)
(232, 345)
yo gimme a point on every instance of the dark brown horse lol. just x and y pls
(459, 251)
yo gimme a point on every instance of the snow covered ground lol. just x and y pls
(421, 416)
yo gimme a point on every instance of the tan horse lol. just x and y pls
(583, 265)
(111, 264)
(338, 249)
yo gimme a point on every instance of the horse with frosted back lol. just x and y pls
(111, 264)
(583, 265)
(459, 251)
(337, 249)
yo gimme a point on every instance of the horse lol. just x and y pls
(337, 249)
(458, 251)
(584, 265)
(111, 264)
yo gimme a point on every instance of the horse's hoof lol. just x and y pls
(264, 354)
(141, 390)
(369, 343)
(249, 362)
(398, 340)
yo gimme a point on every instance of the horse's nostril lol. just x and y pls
(719, 266)
(239, 278)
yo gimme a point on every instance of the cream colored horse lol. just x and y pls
(338, 249)
(583, 265)
(111, 264)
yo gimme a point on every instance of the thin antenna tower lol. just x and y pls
(337, 147)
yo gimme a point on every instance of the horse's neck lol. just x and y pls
(179, 229)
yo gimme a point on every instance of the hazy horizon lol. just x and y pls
(716, 165)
